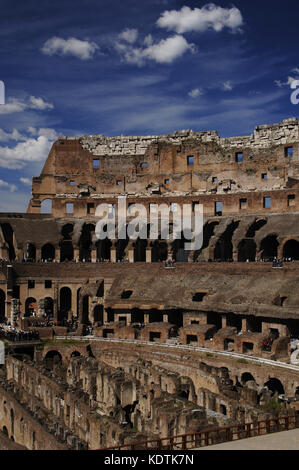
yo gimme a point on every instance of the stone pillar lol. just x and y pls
(113, 255)
(148, 255)
(244, 324)
(105, 316)
(76, 254)
(224, 321)
(15, 311)
(38, 254)
(165, 318)
(57, 254)
(40, 307)
(93, 255)
(131, 256)
(146, 318)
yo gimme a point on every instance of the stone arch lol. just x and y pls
(159, 249)
(65, 303)
(5, 431)
(255, 227)
(46, 206)
(269, 247)
(30, 306)
(52, 357)
(2, 305)
(275, 386)
(104, 249)
(208, 233)
(247, 377)
(291, 249)
(75, 354)
(246, 250)
(48, 252)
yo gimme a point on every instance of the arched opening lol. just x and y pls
(255, 227)
(52, 358)
(223, 410)
(98, 314)
(8, 237)
(65, 303)
(30, 306)
(137, 316)
(178, 249)
(48, 252)
(140, 251)
(75, 354)
(104, 249)
(49, 307)
(85, 310)
(247, 377)
(275, 386)
(246, 251)
(85, 243)
(224, 247)
(66, 244)
(269, 248)
(208, 232)
(30, 254)
(291, 250)
(4, 430)
(2, 305)
(46, 206)
(120, 246)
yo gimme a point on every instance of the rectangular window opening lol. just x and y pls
(239, 157)
(96, 164)
(69, 207)
(267, 203)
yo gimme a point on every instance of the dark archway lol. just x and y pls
(291, 250)
(49, 307)
(159, 251)
(30, 306)
(255, 227)
(48, 252)
(275, 386)
(247, 377)
(269, 248)
(208, 232)
(2, 305)
(224, 247)
(8, 237)
(85, 243)
(246, 251)
(85, 310)
(104, 249)
(66, 244)
(75, 354)
(178, 249)
(98, 314)
(65, 303)
(52, 358)
(140, 251)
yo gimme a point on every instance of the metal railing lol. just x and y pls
(208, 437)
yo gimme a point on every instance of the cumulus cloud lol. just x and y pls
(26, 181)
(129, 35)
(14, 135)
(227, 86)
(16, 105)
(195, 93)
(210, 16)
(83, 50)
(163, 52)
(5, 185)
(34, 149)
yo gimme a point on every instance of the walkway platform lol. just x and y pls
(286, 440)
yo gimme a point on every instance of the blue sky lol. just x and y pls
(137, 67)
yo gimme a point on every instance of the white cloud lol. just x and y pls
(210, 16)
(14, 135)
(84, 50)
(11, 187)
(163, 52)
(26, 181)
(47, 132)
(227, 86)
(15, 105)
(129, 35)
(195, 93)
(32, 150)
(296, 70)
